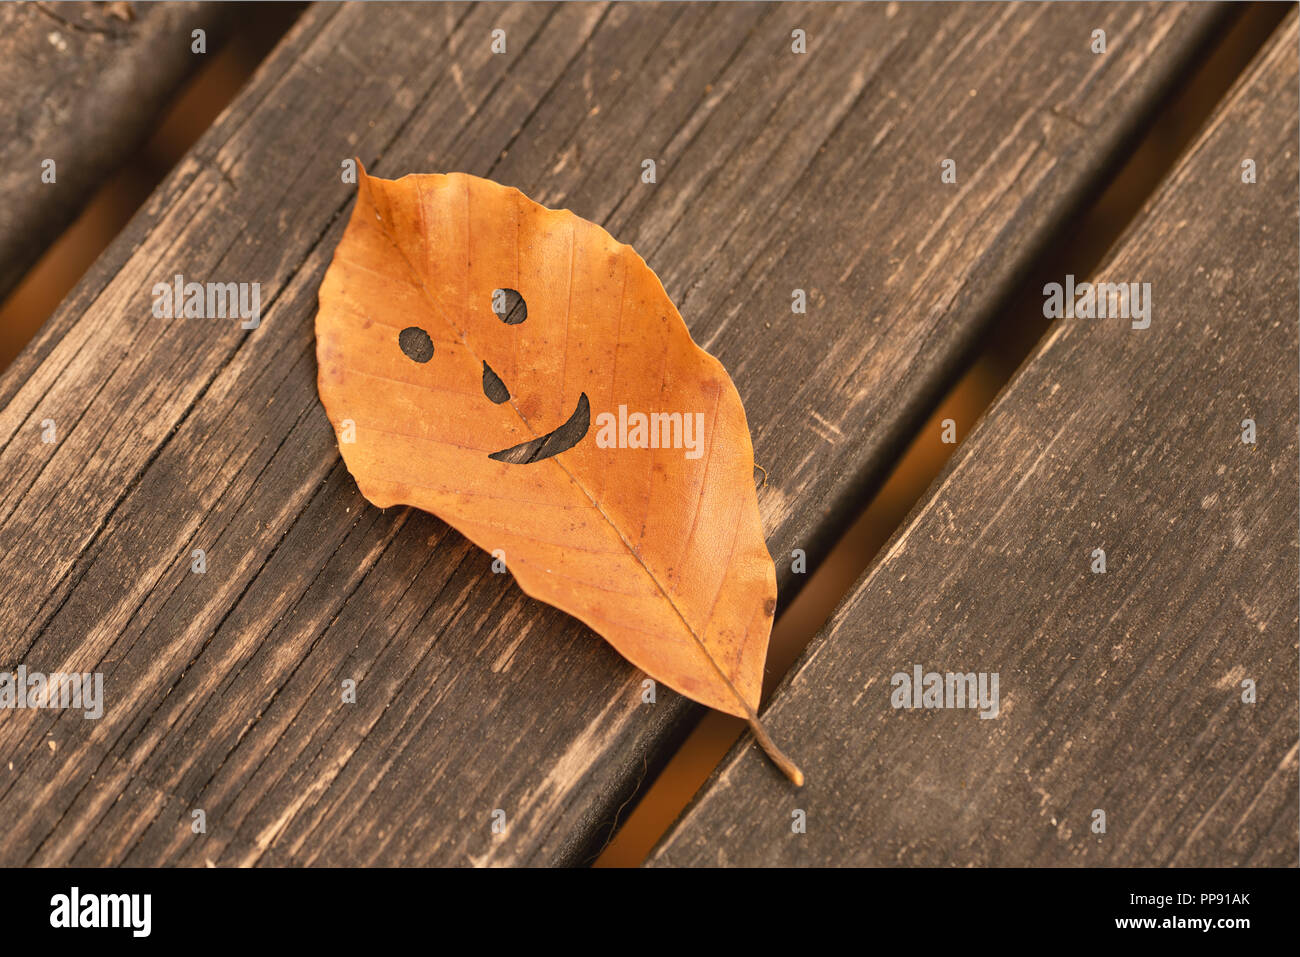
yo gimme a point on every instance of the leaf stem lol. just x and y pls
(788, 767)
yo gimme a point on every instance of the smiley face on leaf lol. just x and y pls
(470, 335)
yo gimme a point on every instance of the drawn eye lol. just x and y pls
(509, 306)
(415, 342)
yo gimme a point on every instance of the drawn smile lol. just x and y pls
(552, 443)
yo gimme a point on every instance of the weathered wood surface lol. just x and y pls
(1119, 691)
(82, 84)
(776, 171)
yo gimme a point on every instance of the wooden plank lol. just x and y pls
(1119, 691)
(82, 84)
(777, 171)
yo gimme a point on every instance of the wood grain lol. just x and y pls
(776, 171)
(82, 85)
(1119, 691)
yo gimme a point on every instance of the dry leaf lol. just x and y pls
(489, 358)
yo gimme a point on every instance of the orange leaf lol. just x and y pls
(496, 361)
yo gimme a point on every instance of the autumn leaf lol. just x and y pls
(522, 375)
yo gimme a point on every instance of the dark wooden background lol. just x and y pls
(776, 171)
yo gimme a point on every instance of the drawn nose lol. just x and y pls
(493, 387)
